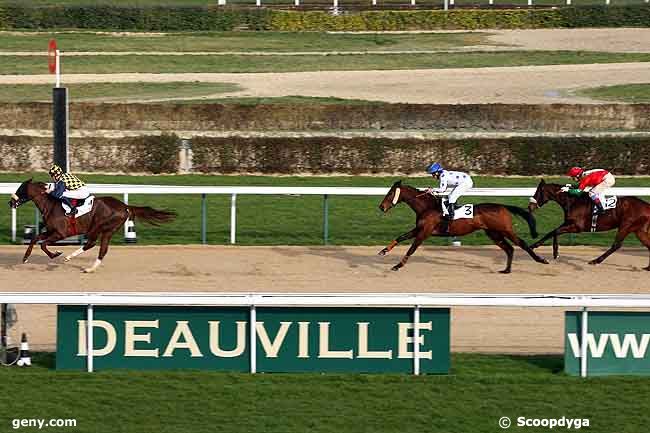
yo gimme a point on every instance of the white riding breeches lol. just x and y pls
(79, 193)
(459, 190)
(599, 190)
(455, 194)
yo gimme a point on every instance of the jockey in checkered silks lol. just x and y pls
(67, 187)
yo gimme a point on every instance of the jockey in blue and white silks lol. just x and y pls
(456, 182)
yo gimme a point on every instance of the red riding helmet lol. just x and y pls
(575, 171)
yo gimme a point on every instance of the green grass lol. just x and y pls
(479, 390)
(288, 220)
(633, 93)
(139, 92)
(237, 41)
(209, 64)
(179, 92)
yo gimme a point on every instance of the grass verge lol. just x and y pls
(20, 65)
(480, 390)
(632, 93)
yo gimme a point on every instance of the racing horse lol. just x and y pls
(106, 217)
(631, 215)
(495, 219)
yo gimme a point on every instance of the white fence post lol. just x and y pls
(296, 3)
(221, 2)
(253, 339)
(89, 338)
(126, 223)
(416, 340)
(233, 218)
(13, 224)
(583, 344)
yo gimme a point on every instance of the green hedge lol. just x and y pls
(143, 154)
(509, 156)
(229, 18)
(133, 18)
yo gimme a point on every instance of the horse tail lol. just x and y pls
(150, 215)
(530, 219)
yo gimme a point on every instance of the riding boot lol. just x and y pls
(451, 209)
(72, 204)
(599, 207)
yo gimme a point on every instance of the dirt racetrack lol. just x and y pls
(339, 269)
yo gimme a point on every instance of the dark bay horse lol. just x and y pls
(495, 219)
(106, 217)
(631, 215)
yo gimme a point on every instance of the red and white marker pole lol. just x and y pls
(54, 61)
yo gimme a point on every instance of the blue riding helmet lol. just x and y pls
(434, 168)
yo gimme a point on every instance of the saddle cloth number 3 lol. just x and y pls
(465, 211)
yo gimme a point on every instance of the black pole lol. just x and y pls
(3, 333)
(60, 118)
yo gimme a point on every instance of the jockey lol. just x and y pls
(594, 182)
(459, 183)
(67, 188)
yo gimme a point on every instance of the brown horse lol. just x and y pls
(106, 217)
(631, 215)
(495, 219)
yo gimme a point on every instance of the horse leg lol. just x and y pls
(401, 238)
(103, 248)
(524, 246)
(618, 242)
(419, 238)
(556, 247)
(32, 243)
(564, 228)
(643, 236)
(498, 239)
(51, 238)
(90, 242)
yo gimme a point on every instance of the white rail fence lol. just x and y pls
(415, 301)
(234, 191)
(445, 4)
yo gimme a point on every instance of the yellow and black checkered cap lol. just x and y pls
(55, 170)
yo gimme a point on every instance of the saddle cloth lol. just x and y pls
(610, 202)
(82, 210)
(465, 211)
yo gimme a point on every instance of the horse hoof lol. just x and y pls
(593, 262)
(382, 252)
(88, 271)
(56, 254)
(67, 259)
(505, 271)
(395, 268)
(544, 261)
(647, 268)
(25, 261)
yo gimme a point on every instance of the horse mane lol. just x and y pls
(435, 201)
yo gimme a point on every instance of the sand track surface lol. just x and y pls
(340, 269)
